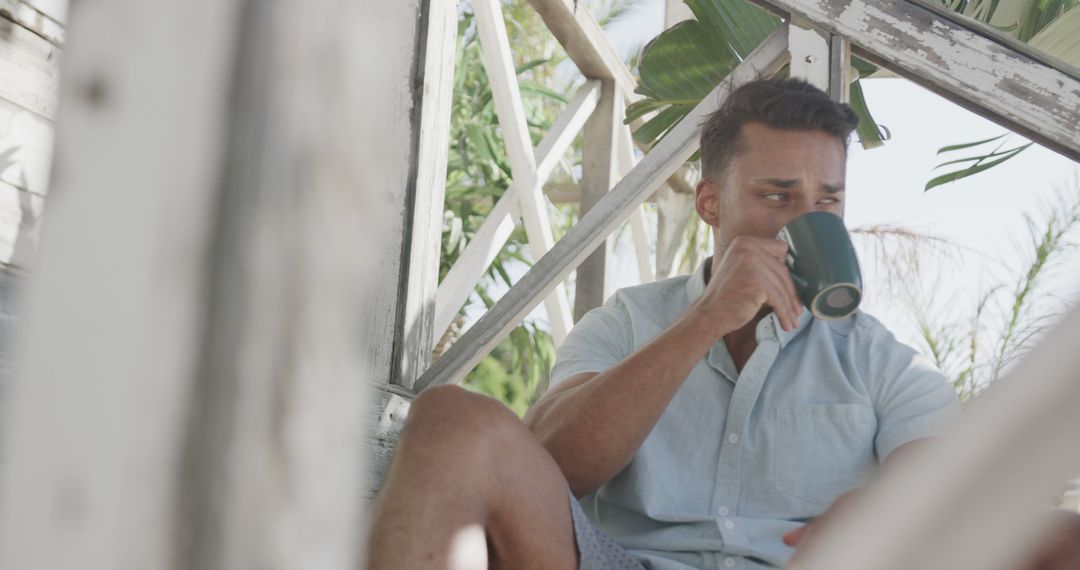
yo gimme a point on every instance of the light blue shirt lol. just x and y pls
(739, 458)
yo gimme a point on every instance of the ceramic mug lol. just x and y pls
(823, 264)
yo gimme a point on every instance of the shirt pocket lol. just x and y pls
(823, 450)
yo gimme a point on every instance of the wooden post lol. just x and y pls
(599, 171)
(419, 274)
(197, 401)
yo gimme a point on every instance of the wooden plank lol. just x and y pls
(56, 10)
(383, 422)
(25, 14)
(639, 228)
(809, 54)
(673, 211)
(208, 353)
(978, 496)
(30, 67)
(26, 145)
(20, 223)
(969, 66)
(599, 171)
(594, 227)
(520, 152)
(839, 69)
(420, 268)
(486, 243)
(382, 359)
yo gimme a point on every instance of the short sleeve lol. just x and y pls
(599, 341)
(912, 398)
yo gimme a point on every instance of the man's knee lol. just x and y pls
(462, 420)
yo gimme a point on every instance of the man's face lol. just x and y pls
(780, 175)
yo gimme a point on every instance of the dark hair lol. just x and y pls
(779, 103)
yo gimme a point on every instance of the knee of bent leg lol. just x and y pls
(463, 419)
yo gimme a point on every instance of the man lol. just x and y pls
(699, 419)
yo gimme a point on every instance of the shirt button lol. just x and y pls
(729, 524)
(729, 562)
(733, 438)
(722, 511)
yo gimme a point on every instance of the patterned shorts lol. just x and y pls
(598, 551)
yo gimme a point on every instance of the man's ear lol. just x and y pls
(707, 202)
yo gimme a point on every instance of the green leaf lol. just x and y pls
(682, 64)
(951, 148)
(869, 133)
(641, 107)
(973, 169)
(659, 125)
(741, 25)
(1061, 38)
(531, 65)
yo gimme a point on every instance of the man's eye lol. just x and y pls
(829, 201)
(775, 197)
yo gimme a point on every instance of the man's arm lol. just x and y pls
(593, 424)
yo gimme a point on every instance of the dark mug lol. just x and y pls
(823, 264)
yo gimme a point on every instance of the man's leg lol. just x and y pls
(464, 459)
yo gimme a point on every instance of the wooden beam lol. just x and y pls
(419, 280)
(615, 207)
(519, 150)
(839, 69)
(809, 54)
(1028, 94)
(599, 171)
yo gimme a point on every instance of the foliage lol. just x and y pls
(974, 345)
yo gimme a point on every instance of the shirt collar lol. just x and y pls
(767, 329)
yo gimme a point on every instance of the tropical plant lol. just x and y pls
(973, 344)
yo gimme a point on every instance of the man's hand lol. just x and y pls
(751, 274)
(1058, 550)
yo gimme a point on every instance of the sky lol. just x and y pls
(981, 219)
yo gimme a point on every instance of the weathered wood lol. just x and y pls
(673, 211)
(384, 419)
(382, 359)
(26, 144)
(519, 150)
(29, 66)
(24, 14)
(20, 222)
(56, 10)
(839, 69)
(978, 496)
(962, 62)
(486, 243)
(420, 267)
(809, 54)
(599, 171)
(612, 210)
(212, 399)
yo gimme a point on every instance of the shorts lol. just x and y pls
(597, 550)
